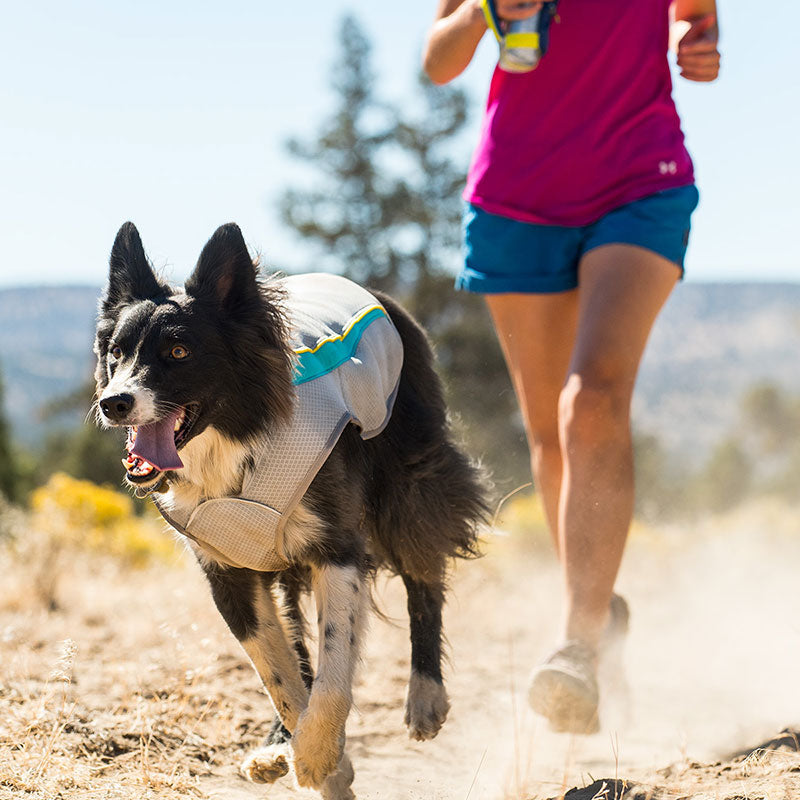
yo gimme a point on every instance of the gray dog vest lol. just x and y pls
(348, 361)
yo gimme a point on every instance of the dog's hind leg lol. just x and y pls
(318, 742)
(244, 599)
(426, 703)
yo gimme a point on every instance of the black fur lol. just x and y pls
(233, 594)
(407, 500)
(425, 616)
(230, 322)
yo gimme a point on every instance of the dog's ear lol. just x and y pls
(130, 276)
(225, 274)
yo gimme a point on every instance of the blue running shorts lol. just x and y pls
(505, 255)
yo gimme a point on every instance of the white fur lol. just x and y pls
(337, 785)
(267, 764)
(301, 528)
(426, 707)
(213, 466)
(124, 381)
(318, 742)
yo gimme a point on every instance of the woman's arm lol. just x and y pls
(458, 27)
(453, 38)
(696, 42)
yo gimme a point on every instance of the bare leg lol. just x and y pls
(622, 290)
(537, 334)
(573, 359)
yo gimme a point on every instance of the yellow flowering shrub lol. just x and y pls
(82, 514)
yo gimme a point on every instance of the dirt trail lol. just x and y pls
(160, 702)
(712, 655)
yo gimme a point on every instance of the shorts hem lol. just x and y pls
(677, 260)
(480, 284)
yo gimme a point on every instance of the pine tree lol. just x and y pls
(385, 210)
(86, 452)
(9, 474)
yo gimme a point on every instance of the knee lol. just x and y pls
(541, 426)
(545, 444)
(593, 412)
(545, 448)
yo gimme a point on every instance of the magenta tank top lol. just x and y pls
(592, 128)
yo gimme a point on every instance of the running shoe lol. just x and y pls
(564, 689)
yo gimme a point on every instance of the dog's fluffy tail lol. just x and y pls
(439, 499)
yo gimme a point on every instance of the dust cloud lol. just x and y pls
(710, 665)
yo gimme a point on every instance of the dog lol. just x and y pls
(205, 378)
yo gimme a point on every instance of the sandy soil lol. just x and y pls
(133, 688)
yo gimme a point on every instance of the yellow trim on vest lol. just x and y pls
(343, 334)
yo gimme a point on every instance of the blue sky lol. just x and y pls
(174, 115)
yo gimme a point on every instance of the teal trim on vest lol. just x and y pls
(332, 353)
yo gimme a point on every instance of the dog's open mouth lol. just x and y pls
(153, 448)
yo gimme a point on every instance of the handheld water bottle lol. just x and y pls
(522, 42)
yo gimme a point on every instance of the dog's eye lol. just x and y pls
(116, 352)
(179, 352)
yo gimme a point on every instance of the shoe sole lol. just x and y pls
(565, 701)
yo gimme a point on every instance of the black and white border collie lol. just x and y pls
(214, 359)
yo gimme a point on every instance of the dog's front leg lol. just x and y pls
(244, 598)
(318, 742)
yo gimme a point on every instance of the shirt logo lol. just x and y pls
(667, 167)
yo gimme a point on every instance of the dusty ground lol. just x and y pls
(133, 688)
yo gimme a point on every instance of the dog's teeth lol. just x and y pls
(179, 420)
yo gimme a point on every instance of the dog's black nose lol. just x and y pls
(117, 407)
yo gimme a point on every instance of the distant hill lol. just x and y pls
(46, 337)
(710, 344)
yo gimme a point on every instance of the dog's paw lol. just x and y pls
(337, 786)
(267, 764)
(426, 707)
(318, 747)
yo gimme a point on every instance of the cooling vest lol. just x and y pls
(348, 361)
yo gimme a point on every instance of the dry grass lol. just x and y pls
(118, 682)
(105, 685)
(113, 718)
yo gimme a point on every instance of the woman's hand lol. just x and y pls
(698, 56)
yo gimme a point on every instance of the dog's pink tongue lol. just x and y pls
(155, 443)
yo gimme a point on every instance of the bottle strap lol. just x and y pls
(492, 20)
(509, 40)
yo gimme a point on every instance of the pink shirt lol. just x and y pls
(591, 128)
